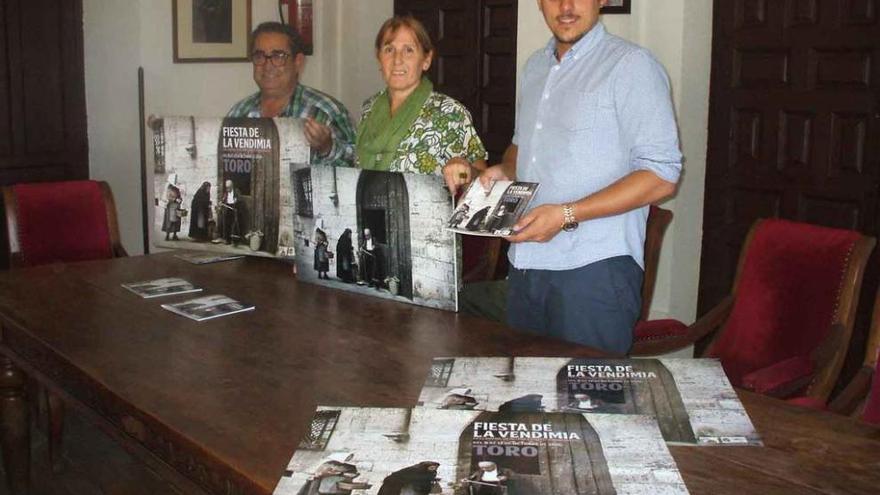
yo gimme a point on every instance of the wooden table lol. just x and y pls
(225, 402)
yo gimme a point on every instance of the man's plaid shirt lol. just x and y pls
(309, 102)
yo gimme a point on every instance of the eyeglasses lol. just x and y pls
(277, 57)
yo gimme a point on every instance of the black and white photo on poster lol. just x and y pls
(491, 211)
(459, 452)
(692, 399)
(376, 233)
(218, 183)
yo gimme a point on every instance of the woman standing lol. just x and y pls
(409, 127)
(171, 220)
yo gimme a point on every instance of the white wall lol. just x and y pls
(679, 33)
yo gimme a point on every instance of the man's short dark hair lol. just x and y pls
(293, 38)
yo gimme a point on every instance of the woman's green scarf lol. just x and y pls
(380, 134)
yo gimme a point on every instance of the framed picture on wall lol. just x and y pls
(616, 7)
(211, 30)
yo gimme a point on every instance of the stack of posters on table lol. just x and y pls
(467, 452)
(691, 399)
(206, 258)
(493, 211)
(161, 287)
(208, 307)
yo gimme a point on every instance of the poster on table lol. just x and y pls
(692, 399)
(463, 452)
(245, 186)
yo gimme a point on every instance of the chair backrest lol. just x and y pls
(658, 220)
(60, 222)
(794, 282)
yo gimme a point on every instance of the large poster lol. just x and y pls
(420, 451)
(376, 233)
(218, 183)
(691, 399)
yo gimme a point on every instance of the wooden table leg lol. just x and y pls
(14, 427)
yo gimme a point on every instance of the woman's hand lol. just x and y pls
(457, 172)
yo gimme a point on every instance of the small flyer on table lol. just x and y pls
(207, 307)
(691, 399)
(494, 211)
(203, 258)
(161, 287)
(379, 451)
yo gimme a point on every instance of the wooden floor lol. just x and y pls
(93, 465)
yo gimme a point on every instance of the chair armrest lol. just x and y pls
(782, 379)
(700, 329)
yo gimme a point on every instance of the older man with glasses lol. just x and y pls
(278, 60)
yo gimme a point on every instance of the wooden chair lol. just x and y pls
(785, 327)
(61, 222)
(861, 397)
(658, 220)
(54, 222)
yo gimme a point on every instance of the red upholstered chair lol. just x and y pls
(785, 328)
(60, 222)
(54, 222)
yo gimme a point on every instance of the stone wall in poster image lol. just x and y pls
(627, 452)
(185, 153)
(415, 261)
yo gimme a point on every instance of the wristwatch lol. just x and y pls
(568, 221)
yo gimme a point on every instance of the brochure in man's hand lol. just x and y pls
(203, 258)
(207, 307)
(161, 287)
(493, 211)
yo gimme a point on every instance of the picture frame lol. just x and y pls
(617, 7)
(211, 30)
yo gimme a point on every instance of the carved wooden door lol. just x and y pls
(794, 128)
(42, 92)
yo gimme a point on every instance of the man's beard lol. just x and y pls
(573, 40)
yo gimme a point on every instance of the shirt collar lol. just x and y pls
(582, 47)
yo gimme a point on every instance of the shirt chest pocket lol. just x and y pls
(581, 111)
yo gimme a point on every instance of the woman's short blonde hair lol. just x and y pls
(393, 24)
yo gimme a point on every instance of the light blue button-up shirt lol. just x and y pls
(583, 123)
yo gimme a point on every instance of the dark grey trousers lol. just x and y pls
(595, 305)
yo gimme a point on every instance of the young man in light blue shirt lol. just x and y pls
(596, 128)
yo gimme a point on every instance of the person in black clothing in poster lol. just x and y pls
(418, 479)
(230, 206)
(345, 257)
(478, 221)
(200, 213)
